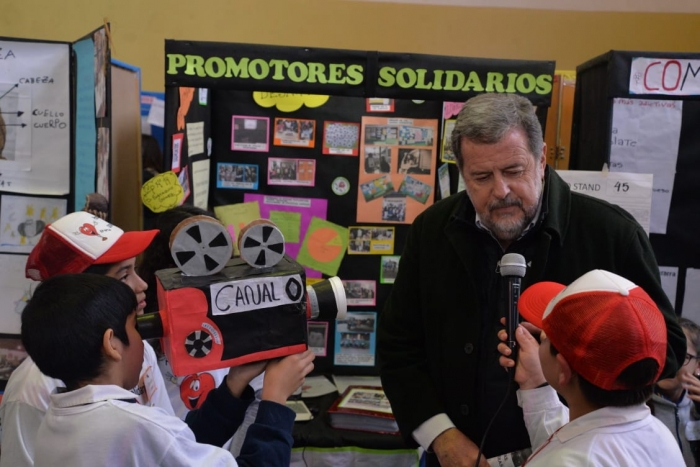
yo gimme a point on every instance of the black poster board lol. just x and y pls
(419, 84)
(606, 77)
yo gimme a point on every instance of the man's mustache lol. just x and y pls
(505, 203)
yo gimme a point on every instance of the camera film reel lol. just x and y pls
(200, 246)
(261, 244)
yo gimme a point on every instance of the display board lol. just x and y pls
(638, 112)
(50, 94)
(341, 149)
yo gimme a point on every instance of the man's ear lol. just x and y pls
(543, 157)
(565, 371)
(110, 345)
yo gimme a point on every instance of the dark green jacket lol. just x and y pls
(429, 331)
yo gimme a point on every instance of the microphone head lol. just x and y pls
(513, 264)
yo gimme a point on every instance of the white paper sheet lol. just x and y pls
(645, 138)
(34, 80)
(669, 282)
(315, 386)
(631, 191)
(15, 290)
(156, 114)
(342, 382)
(195, 138)
(691, 298)
(200, 183)
(664, 76)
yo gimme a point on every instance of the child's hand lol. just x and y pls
(284, 376)
(528, 371)
(239, 376)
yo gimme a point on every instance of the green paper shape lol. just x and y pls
(289, 224)
(324, 246)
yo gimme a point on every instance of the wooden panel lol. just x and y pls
(125, 198)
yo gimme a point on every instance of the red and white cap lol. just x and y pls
(601, 323)
(77, 241)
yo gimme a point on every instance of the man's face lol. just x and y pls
(504, 182)
(125, 272)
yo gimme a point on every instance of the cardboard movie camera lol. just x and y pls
(217, 311)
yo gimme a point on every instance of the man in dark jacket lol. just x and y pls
(437, 335)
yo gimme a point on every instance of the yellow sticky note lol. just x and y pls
(162, 192)
(289, 224)
(286, 102)
(237, 216)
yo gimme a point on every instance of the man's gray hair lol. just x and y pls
(486, 118)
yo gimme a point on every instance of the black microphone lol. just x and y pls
(512, 267)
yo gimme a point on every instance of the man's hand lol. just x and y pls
(528, 371)
(454, 449)
(286, 375)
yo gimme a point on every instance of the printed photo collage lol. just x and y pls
(256, 134)
(397, 169)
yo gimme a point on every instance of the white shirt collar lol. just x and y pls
(607, 416)
(90, 394)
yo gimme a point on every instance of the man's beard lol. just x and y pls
(508, 229)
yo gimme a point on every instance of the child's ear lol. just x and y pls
(565, 371)
(110, 345)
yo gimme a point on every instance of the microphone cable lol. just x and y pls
(498, 410)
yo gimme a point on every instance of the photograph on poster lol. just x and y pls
(385, 145)
(341, 138)
(318, 337)
(103, 163)
(444, 180)
(298, 172)
(184, 179)
(446, 154)
(377, 188)
(394, 208)
(360, 292)
(415, 189)
(237, 176)
(23, 219)
(378, 104)
(415, 161)
(370, 240)
(415, 136)
(12, 353)
(389, 269)
(250, 133)
(355, 339)
(178, 140)
(377, 159)
(381, 134)
(295, 132)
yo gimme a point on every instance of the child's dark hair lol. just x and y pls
(157, 256)
(639, 376)
(64, 323)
